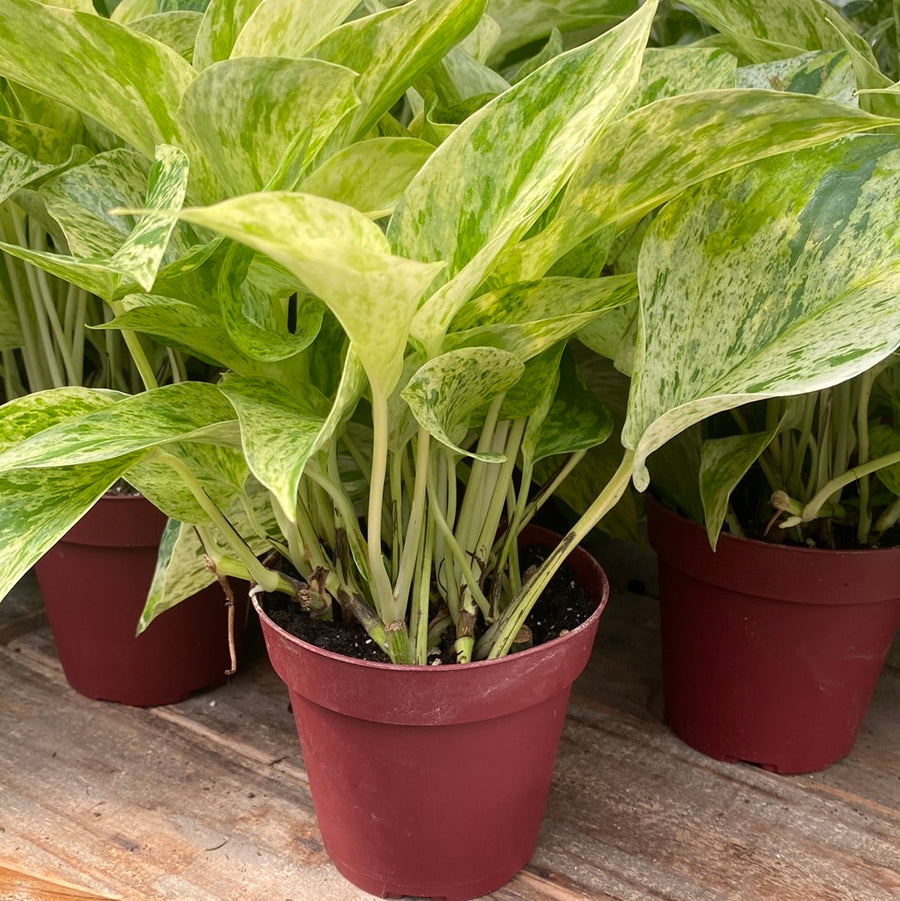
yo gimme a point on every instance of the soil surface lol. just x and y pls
(562, 607)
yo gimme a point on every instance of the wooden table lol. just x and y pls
(208, 799)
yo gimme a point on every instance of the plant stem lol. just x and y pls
(268, 579)
(498, 639)
(411, 541)
(812, 508)
(382, 590)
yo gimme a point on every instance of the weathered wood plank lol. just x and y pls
(208, 799)
(17, 886)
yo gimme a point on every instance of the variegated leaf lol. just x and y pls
(449, 390)
(527, 318)
(180, 571)
(577, 419)
(136, 260)
(778, 279)
(343, 258)
(129, 83)
(775, 29)
(506, 163)
(41, 143)
(621, 178)
(369, 175)
(220, 470)
(256, 318)
(186, 328)
(188, 410)
(18, 170)
(723, 463)
(669, 71)
(279, 430)
(289, 29)
(258, 119)
(221, 25)
(38, 507)
(826, 74)
(390, 50)
(524, 21)
(176, 29)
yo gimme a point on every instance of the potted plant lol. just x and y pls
(775, 619)
(48, 340)
(372, 417)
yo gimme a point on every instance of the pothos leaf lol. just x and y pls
(775, 280)
(448, 390)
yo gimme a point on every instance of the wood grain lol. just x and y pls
(208, 800)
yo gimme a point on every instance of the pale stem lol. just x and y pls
(412, 542)
(811, 510)
(515, 615)
(267, 578)
(382, 591)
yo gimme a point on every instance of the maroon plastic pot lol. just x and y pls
(770, 653)
(94, 583)
(430, 781)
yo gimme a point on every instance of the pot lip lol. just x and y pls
(786, 549)
(572, 635)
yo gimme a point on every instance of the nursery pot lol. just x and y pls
(430, 781)
(94, 583)
(770, 652)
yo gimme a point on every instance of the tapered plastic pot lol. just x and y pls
(770, 653)
(94, 583)
(430, 781)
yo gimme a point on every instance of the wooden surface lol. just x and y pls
(208, 800)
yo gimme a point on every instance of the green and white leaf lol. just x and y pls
(525, 21)
(176, 29)
(134, 262)
(38, 507)
(279, 431)
(390, 50)
(723, 463)
(188, 410)
(343, 258)
(222, 22)
(621, 177)
(289, 29)
(527, 318)
(258, 120)
(499, 190)
(128, 82)
(775, 29)
(669, 71)
(220, 470)
(774, 280)
(369, 175)
(826, 74)
(577, 421)
(448, 391)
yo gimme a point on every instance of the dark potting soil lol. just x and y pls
(562, 607)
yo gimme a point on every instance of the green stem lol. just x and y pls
(412, 538)
(382, 590)
(268, 579)
(497, 641)
(812, 508)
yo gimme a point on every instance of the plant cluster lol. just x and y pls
(387, 245)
